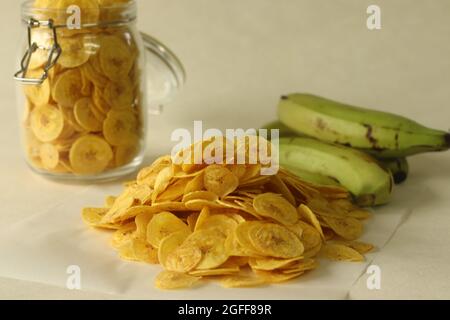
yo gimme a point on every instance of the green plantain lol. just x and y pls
(326, 163)
(382, 134)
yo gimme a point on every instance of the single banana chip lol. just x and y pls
(196, 184)
(200, 195)
(149, 174)
(85, 117)
(241, 281)
(143, 251)
(311, 218)
(98, 79)
(220, 180)
(339, 252)
(275, 240)
(307, 234)
(347, 228)
(116, 58)
(184, 259)
(359, 246)
(67, 88)
(126, 153)
(49, 156)
(212, 246)
(123, 235)
(215, 272)
(142, 220)
(276, 207)
(162, 225)
(162, 181)
(277, 276)
(220, 222)
(47, 123)
(169, 244)
(75, 51)
(269, 264)
(90, 155)
(93, 217)
(168, 280)
(120, 127)
(38, 94)
(119, 95)
(174, 192)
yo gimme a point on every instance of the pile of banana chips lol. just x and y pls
(228, 222)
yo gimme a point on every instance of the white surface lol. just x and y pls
(240, 57)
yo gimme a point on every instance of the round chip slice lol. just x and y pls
(119, 95)
(49, 156)
(169, 244)
(90, 155)
(276, 207)
(212, 246)
(347, 228)
(116, 58)
(168, 280)
(47, 123)
(126, 153)
(120, 127)
(67, 88)
(162, 225)
(275, 241)
(85, 116)
(220, 180)
(184, 259)
(37, 94)
(75, 51)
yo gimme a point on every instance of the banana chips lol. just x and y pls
(85, 118)
(229, 223)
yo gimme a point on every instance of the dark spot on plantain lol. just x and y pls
(397, 145)
(447, 140)
(370, 137)
(321, 124)
(284, 98)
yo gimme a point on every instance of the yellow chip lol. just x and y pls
(196, 184)
(347, 228)
(143, 251)
(220, 180)
(311, 218)
(120, 127)
(168, 280)
(67, 88)
(276, 207)
(119, 95)
(174, 192)
(126, 153)
(85, 116)
(301, 266)
(75, 51)
(162, 181)
(241, 281)
(280, 187)
(123, 235)
(142, 220)
(115, 57)
(359, 246)
(162, 225)
(269, 264)
(93, 217)
(90, 155)
(215, 272)
(38, 94)
(183, 259)
(277, 276)
(339, 252)
(47, 123)
(275, 240)
(200, 195)
(221, 222)
(212, 246)
(49, 155)
(169, 244)
(149, 174)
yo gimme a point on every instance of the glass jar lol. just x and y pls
(85, 87)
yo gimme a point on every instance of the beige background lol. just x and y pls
(240, 56)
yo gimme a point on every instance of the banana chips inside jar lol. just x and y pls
(85, 119)
(229, 223)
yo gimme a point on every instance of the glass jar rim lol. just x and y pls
(128, 11)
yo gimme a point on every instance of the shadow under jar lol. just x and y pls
(86, 83)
